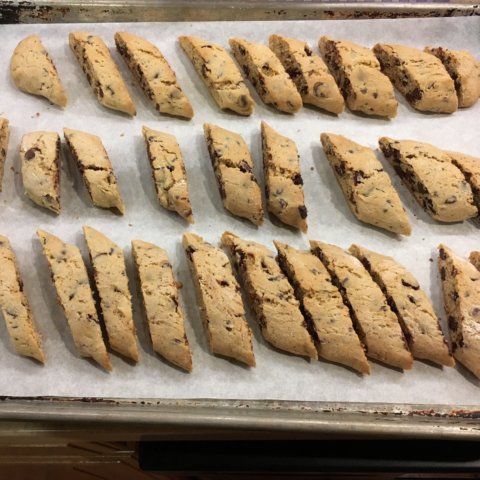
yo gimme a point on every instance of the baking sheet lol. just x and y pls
(277, 376)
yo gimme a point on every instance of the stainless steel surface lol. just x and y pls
(42, 11)
(52, 419)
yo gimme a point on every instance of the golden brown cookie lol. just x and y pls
(96, 169)
(323, 307)
(308, 71)
(374, 320)
(155, 75)
(367, 188)
(414, 309)
(233, 167)
(271, 296)
(101, 71)
(283, 179)
(419, 76)
(74, 294)
(15, 307)
(160, 299)
(168, 171)
(461, 295)
(219, 73)
(33, 71)
(357, 72)
(111, 281)
(220, 300)
(436, 183)
(267, 75)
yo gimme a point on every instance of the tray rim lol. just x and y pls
(369, 420)
(155, 418)
(79, 11)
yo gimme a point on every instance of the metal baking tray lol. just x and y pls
(59, 418)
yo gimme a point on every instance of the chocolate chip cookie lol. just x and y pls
(4, 137)
(323, 307)
(101, 71)
(220, 74)
(419, 76)
(40, 160)
(436, 183)
(308, 71)
(14, 305)
(33, 71)
(155, 75)
(267, 75)
(160, 299)
(357, 72)
(233, 167)
(374, 320)
(414, 309)
(366, 186)
(464, 70)
(220, 301)
(283, 179)
(111, 281)
(71, 283)
(271, 296)
(460, 281)
(96, 169)
(168, 171)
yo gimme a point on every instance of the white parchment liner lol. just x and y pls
(277, 376)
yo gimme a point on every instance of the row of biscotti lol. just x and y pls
(446, 184)
(231, 159)
(40, 168)
(286, 75)
(70, 278)
(343, 306)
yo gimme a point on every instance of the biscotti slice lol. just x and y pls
(419, 76)
(233, 167)
(220, 74)
(283, 179)
(168, 171)
(160, 298)
(33, 71)
(308, 71)
(414, 309)
(220, 301)
(101, 71)
(271, 296)
(367, 188)
(154, 74)
(437, 184)
(464, 70)
(96, 169)
(461, 295)
(323, 306)
(111, 280)
(374, 320)
(40, 160)
(267, 75)
(74, 294)
(4, 136)
(470, 167)
(15, 308)
(357, 72)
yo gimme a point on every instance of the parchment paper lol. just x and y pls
(277, 376)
